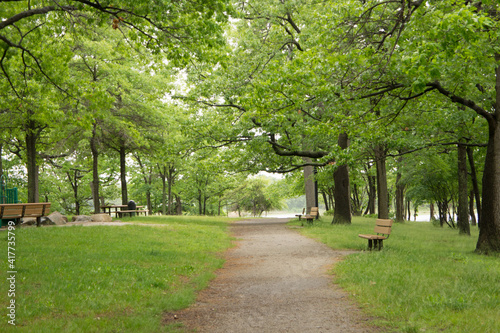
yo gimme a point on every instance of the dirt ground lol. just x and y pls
(274, 280)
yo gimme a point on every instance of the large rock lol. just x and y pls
(56, 218)
(81, 218)
(101, 218)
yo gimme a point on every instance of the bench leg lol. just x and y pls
(380, 244)
(370, 243)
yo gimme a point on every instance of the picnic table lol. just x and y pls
(116, 208)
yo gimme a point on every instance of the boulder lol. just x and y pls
(81, 218)
(101, 218)
(56, 218)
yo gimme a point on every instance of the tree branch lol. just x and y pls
(285, 151)
(460, 100)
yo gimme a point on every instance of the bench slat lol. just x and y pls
(31, 211)
(384, 222)
(372, 236)
(12, 211)
(382, 230)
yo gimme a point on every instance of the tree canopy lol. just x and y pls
(388, 100)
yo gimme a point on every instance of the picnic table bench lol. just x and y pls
(382, 231)
(20, 210)
(121, 213)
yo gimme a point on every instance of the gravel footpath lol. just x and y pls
(274, 280)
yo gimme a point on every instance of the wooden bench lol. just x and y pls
(300, 215)
(20, 210)
(382, 231)
(121, 213)
(312, 215)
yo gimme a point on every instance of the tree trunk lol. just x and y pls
(309, 186)
(178, 204)
(400, 196)
(342, 210)
(1, 161)
(471, 208)
(383, 192)
(74, 185)
(475, 185)
(170, 179)
(123, 174)
(463, 193)
(325, 200)
(95, 170)
(372, 191)
(163, 174)
(147, 180)
(31, 163)
(355, 201)
(489, 232)
(200, 205)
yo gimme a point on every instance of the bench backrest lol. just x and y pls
(11, 211)
(314, 211)
(37, 210)
(383, 226)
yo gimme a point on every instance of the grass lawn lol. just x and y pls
(110, 278)
(426, 279)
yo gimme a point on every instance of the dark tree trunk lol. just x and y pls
(489, 232)
(147, 180)
(472, 214)
(475, 185)
(170, 179)
(489, 221)
(31, 163)
(400, 196)
(342, 210)
(309, 186)
(200, 204)
(73, 180)
(463, 193)
(431, 207)
(95, 170)
(1, 160)
(325, 200)
(123, 174)
(355, 201)
(371, 190)
(163, 175)
(178, 204)
(408, 209)
(383, 192)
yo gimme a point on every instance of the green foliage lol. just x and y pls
(256, 195)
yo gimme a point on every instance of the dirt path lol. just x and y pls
(275, 280)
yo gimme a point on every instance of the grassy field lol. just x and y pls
(426, 279)
(110, 278)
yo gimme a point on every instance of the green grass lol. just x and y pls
(110, 278)
(426, 279)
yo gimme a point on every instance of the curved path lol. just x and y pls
(274, 280)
